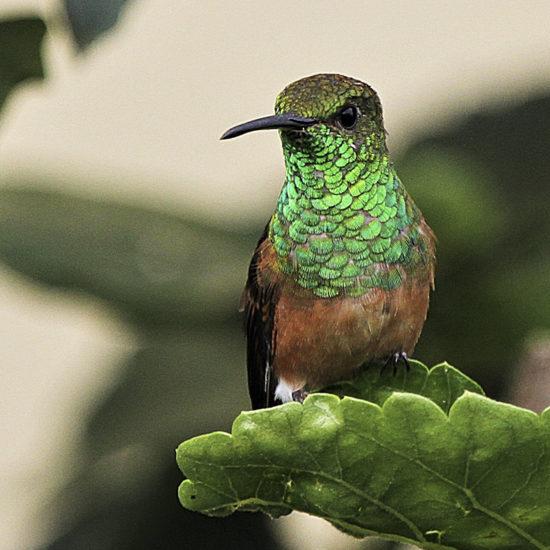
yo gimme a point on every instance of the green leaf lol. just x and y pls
(20, 59)
(477, 478)
(443, 384)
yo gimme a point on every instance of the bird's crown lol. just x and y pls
(331, 98)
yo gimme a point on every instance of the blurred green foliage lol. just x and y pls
(154, 267)
(484, 186)
(20, 60)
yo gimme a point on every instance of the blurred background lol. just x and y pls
(126, 229)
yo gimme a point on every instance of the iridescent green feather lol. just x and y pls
(344, 223)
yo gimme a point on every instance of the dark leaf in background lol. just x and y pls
(484, 187)
(20, 59)
(154, 267)
(90, 18)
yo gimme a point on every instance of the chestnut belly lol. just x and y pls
(320, 341)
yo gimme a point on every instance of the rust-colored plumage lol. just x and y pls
(308, 341)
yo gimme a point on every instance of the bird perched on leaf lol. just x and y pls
(342, 273)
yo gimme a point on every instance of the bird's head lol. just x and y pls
(324, 114)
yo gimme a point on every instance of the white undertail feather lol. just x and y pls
(283, 391)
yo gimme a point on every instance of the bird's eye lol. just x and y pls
(348, 116)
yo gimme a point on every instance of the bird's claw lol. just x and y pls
(299, 395)
(394, 360)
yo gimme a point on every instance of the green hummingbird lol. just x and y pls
(342, 274)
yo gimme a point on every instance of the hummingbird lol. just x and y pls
(342, 273)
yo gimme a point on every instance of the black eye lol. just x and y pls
(347, 117)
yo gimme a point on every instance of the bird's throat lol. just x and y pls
(344, 223)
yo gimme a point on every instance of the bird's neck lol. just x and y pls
(344, 223)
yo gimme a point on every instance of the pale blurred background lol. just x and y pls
(126, 227)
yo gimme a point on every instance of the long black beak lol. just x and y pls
(269, 123)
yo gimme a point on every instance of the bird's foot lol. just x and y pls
(299, 395)
(394, 360)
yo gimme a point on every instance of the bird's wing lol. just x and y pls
(258, 302)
